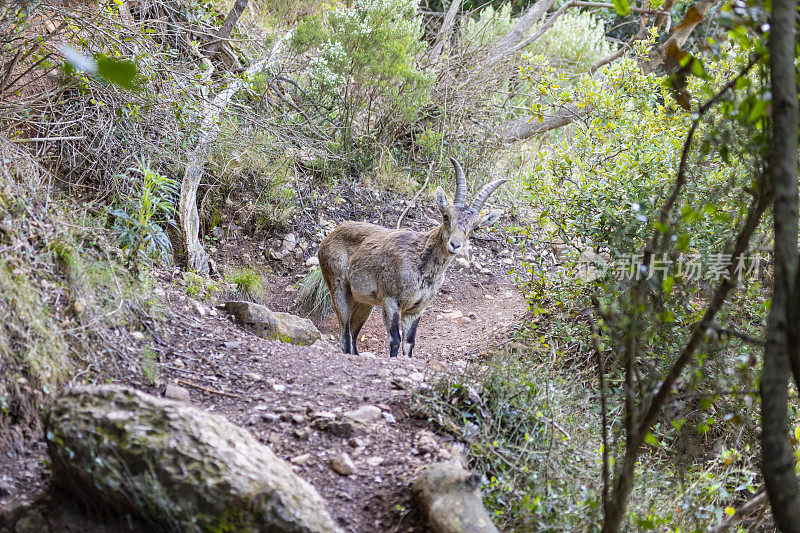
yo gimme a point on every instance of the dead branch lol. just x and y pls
(197, 258)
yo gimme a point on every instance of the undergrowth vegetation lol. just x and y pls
(634, 171)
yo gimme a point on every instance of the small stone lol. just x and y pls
(417, 376)
(341, 428)
(402, 383)
(462, 263)
(274, 438)
(298, 419)
(365, 413)
(300, 459)
(254, 376)
(230, 345)
(290, 242)
(384, 372)
(357, 442)
(374, 460)
(426, 442)
(452, 315)
(271, 418)
(312, 261)
(137, 335)
(173, 392)
(302, 433)
(277, 387)
(323, 415)
(343, 465)
(178, 363)
(389, 417)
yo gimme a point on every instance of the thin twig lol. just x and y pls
(206, 389)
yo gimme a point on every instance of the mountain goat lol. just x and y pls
(365, 265)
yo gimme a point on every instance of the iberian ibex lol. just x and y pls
(366, 265)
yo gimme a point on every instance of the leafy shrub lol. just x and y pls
(141, 220)
(599, 191)
(575, 39)
(365, 65)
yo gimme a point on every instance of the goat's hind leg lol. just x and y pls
(358, 316)
(342, 303)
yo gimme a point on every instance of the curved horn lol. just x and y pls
(461, 183)
(485, 192)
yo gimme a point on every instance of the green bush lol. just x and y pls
(141, 220)
(365, 65)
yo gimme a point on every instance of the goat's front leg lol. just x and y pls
(409, 323)
(391, 319)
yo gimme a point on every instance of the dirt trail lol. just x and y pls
(275, 389)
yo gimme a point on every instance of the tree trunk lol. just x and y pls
(226, 28)
(196, 257)
(777, 453)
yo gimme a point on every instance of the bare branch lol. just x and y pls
(526, 22)
(196, 256)
(446, 30)
(694, 16)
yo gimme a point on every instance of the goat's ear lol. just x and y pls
(489, 218)
(441, 199)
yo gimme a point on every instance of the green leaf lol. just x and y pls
(622, 7)
(697, 68)
(667, 283)
(652, 440)
(678, 424)
(117, 71)
(662, 227)
(683, 242)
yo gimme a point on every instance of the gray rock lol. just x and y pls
(426, 442)
(344, 465)
(173, 392)
(341, 428)
(325, 345)
(366, 413)
(389, 417)
(178, 466)
(272, 324)
(300, 459)
(451, 499)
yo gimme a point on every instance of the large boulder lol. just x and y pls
(450, 497)
(174, 465)
(273, 325)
